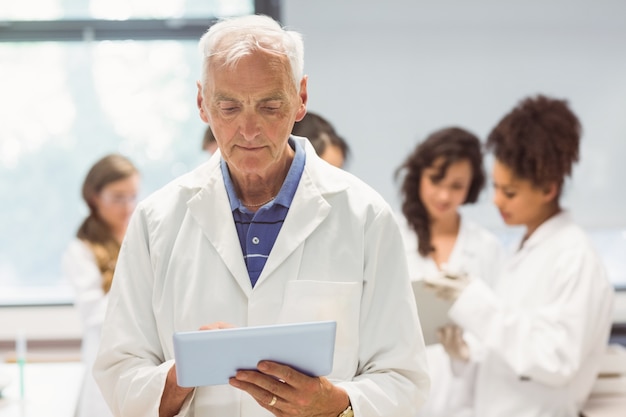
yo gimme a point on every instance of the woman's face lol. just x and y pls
(518, 200)
(333, 155)
(116, 202)
(443, 197)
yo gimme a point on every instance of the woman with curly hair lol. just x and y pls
(545, 323)
(110, 191)
(444, 172)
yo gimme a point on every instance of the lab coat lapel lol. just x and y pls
(548, 228)
(308, 209)
(211, 209)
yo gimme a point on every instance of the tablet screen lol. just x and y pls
(211, 357)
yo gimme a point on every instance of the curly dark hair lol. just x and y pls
(538, 140)
(453, 144)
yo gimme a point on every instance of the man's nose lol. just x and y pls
(250, 127)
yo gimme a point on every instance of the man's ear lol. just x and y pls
(199, 100)
(304, 96)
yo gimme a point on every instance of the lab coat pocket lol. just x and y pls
(322, 300)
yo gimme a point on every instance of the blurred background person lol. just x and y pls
(110, 192)
(444, 172)
(327, 143)
(545, 323)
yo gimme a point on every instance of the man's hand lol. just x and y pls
(173, 395)
(217, 325)
(286, 392)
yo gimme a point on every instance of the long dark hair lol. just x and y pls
(453, 144)
(94, 231)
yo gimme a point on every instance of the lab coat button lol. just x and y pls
(255, 240)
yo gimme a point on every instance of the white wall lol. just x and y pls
(388, 73)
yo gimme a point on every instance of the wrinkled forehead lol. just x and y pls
(230, 57)
(252, 70)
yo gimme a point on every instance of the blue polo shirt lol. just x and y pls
(258, 231)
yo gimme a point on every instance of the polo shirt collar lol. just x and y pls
(288, 189)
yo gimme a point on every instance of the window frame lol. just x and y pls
(73, 30)
(66, 30)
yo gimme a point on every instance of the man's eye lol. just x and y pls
(227, 105)
(271, 105)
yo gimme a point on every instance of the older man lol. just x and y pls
(265, 232)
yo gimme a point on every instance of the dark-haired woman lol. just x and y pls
(331, 147)
(545, 323)
(110, 191)
(444, 172)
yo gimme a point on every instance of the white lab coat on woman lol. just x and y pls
(80, 269)
(544, 327)
(478, 253)
(338, 256)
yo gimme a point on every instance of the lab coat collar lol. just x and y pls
(462, 251)
(308, 209)
(210, 207)
(547, 228)
(206, 174)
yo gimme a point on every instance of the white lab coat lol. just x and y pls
(338, 256)
(81, 271)
(544, 327)
(478, 253)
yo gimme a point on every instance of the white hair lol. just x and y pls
(234, 38)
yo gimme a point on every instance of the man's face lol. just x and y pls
(251, 109)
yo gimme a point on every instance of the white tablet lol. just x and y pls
(432, 310)
(211, 357)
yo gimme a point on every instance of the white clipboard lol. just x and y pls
(432, 311)
(211, 357)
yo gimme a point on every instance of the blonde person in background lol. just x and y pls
(444, 172)
(331, 147)
(110, 191)
(544, 324)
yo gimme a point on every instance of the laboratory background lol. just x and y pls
(82, 78)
